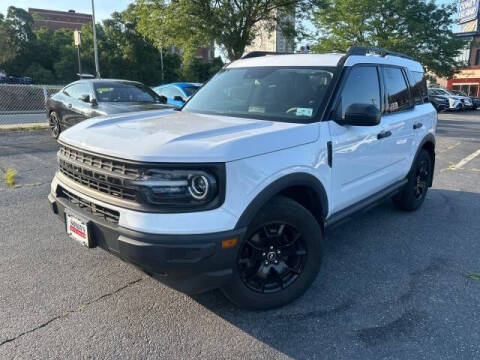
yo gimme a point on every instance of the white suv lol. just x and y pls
(236, 189)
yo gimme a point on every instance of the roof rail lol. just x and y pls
(254, 54)
(364, 50)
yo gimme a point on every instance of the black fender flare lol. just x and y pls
(429, 138)
(276, 187)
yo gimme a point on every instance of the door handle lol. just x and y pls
(69, 106)
(417, 126)
(384, 134)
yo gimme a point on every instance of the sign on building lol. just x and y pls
(467, 11)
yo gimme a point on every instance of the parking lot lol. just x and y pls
(393, 285)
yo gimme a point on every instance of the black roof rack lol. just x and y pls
(364, 50)
(254, 54)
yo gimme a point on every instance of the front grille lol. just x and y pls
(98, 173)
(96, 210)
(98, 162)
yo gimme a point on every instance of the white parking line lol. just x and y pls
(465, 160)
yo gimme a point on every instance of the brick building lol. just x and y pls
(55, 20)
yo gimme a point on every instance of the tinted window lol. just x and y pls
(273, 93)
(421, 85)
(118, 91)
(397, 90)
(190, 90)
(78, 90)
(362, 87)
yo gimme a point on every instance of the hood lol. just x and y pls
(117, 108)
(178, 136)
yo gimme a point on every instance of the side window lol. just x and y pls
(78, 90)
(398, 96)
(421, 82)
(361, 87)
(415, 88)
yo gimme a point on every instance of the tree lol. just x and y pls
(232, 24)
(8, 49)
(421, 29)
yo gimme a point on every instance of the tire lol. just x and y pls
(289, 238)
(414, 193)
(54, 123)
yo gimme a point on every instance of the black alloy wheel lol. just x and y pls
(279, 257)
(54, 124)
(422, 176)
(272, 258)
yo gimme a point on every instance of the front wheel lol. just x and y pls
(414, 193)
(279, 257)
(54, 123)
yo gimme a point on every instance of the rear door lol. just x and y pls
(357, 154)
(398, 120)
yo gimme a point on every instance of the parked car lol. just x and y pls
(236, 189)
(177, 93)
(456, 102)
(439, 102)
(475, 100)
(84, 99)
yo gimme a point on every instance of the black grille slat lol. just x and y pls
(98, 173)
(96, 210)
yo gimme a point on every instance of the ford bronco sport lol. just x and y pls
(236, 189)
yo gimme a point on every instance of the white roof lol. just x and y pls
(331, 59)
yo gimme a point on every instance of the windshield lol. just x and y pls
(117, 91)
(190, 90)
(272, 93)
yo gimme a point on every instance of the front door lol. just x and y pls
(357, 155)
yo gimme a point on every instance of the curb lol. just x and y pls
(27, 126)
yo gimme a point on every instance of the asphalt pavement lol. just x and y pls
(19, 119)
(393, 285)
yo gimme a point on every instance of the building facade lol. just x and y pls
(272, 40)
(467, 79)
(54, 20)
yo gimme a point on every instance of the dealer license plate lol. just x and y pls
(77, 229)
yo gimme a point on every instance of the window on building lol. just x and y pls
(477, 57)
(397, 90)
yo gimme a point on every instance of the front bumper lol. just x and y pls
(188, 263)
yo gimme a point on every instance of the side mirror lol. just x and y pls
(85, 98)
(178, 98)
(163, 99)
(93, 102)
(362, 115)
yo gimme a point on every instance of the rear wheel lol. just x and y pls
(279, 257)
(414, 193)
(54, 123)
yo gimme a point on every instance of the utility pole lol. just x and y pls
(95, 49)
(77, 36)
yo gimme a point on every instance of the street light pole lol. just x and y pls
(95, 48)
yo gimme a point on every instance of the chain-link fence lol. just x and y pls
(21, 104)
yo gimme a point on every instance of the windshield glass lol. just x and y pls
(117, 91)
(190, 90)
(272, 93)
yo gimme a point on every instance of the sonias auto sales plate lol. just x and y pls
(77, 229)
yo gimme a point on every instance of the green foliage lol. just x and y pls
(232, 24)
(124, 53)
(421, 29)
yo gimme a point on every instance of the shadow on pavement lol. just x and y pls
(392, 284)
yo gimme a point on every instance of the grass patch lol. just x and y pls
(474, 276)
(10, 176)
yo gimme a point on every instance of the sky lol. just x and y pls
(103, 8)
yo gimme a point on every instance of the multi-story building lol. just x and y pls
(54, 20)
(468, 78)
(272, 40)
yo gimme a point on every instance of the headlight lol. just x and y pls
(182, 188)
